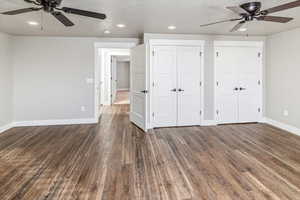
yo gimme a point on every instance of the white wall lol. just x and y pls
(123, 75)
(283, 70)
(50, 77)
(6, 81)
(208, 62)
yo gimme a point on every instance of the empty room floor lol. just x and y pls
(122, 97)
(116, 160)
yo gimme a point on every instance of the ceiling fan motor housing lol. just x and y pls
(49, 5)
(252, 8)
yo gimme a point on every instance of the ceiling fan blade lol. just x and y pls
(236, 9)
(84, 13)
(62, 18)
(228, 20)
(286, 6)
(21, 11)
(238, 26)
(274, 19)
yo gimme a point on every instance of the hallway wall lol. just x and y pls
(123, 75)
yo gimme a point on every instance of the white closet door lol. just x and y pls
(189, 93)
(164, 91)
(226, 65)
(249, 77)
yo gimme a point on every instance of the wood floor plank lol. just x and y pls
(115, 160)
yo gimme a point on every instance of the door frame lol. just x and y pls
(99, 65)
(258, 44)
(168, 42)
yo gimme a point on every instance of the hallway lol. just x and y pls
(122, 97)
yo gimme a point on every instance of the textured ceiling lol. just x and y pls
(151, 16)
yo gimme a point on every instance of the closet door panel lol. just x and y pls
(226, 66)
(165, 100)
(189, 77)
(249, 76)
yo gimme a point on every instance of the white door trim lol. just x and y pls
(259, 44)
(98, 66)
(166, 42)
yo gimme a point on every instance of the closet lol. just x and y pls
(176, 85)
(238, 74)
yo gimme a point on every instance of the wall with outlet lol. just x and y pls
(283, 69)
(54, 77)
(6, 81)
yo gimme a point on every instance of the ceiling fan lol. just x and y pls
(52, 7)
(252, 11)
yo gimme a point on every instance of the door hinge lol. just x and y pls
(259, 82)
(259, 109)
(217, 83)
(259, 54)
(152, 114)
(200, 112)
(200, 54)
(153, 53)
(111, 78)
(200, 83)
(153, 84)
(217, 112)
(217, 54)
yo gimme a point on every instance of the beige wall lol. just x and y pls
(283, 77)
(6, 80)
(48, 69)
(50, 77)
(123, 75)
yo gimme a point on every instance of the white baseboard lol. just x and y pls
(6, 127)
(283, 126)
(55, 122)
(208, 123)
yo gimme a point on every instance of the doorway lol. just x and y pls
(120, 80)
(104, 53)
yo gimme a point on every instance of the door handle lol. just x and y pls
(144, 91)
(180, 90)
(236, 89)
(174, 90)
(242, 88)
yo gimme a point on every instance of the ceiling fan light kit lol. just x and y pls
(52, 7)
(252, 11)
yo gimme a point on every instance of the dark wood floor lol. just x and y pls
(115, 160)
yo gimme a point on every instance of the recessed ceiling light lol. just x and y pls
(106, 32)
(121, 25)
(171, 27)
(242, 29)
(33, 23)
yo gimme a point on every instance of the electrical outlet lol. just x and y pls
(285, 113)
(83, 109)
(89, 80)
